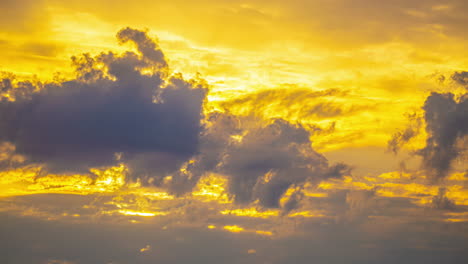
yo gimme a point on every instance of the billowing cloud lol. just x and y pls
(146, 46)
(111, 108)
(446, 125)
(260, 159)
(127, 108)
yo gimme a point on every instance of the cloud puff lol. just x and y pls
(110, 107)
(446, 123)
(146, 46)
(461, 78)
(261, 159)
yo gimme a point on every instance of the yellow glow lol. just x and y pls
(24, 181)
(251, 212)
(306, 214)
(394, 175)
(154, 195)
(146, 248)
(460, 176)
(234, 228)
(264, 233)
(144, 214)
(457, 217)
(211, 188)
(458, 194)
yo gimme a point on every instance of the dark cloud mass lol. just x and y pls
(111, 107)
(153, 123)
(446, 120)
(446, 125)
(261, 160)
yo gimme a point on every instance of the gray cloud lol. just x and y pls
(446, 123)
(264, 161)
(109, 109)
(461, 78)
(145, 45)
(153, 123)
(446, 120)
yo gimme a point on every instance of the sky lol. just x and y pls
(256, 132)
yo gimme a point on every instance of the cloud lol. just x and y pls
(461, 78)
(293, 103)
(127, 108)
(446, 124)
(110, 107)
(440, 201)
(261, 159)
(402, 137)
(146, 46)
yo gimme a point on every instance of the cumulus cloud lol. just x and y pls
(110, 107)
(128, 108)
(146, 46)
(260, 159)
(446, 124)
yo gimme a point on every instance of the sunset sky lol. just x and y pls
(237, 132)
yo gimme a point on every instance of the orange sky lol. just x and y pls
(235, 121)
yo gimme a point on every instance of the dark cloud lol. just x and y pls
(461, 78)
(111, 107)
(446, 120)
(125, 107)
(446, 124)
(145, 45)
(378, 240)
(261, 159)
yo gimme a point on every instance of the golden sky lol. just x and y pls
(296, 131)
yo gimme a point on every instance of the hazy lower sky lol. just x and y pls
(263, 132)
